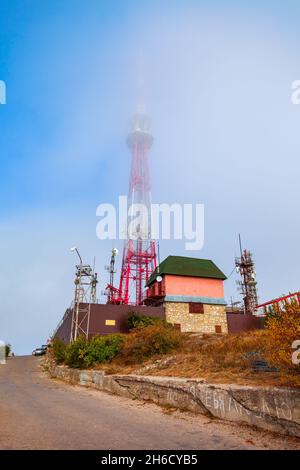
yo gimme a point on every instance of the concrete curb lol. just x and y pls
(272, 409)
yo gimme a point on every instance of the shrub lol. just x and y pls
(75, 353)
(102, 349)
(284, 328)
(85, 353)
(140, 344)
(7, 350)
(141, 321)
(149, 341)
(58, 350)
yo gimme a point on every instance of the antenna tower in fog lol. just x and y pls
(139, 253)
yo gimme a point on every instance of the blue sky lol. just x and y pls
(218, 86)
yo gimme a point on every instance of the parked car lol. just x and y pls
(39, 351)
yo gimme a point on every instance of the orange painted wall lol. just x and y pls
(197, 286)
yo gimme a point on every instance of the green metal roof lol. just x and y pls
(183, 266)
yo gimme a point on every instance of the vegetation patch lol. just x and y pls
(144, 341)
(283, 326)
(141, 321)
(7, 350)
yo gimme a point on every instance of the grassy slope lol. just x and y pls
(218, 359)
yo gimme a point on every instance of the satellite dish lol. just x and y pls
(115, 251)
(159, 279)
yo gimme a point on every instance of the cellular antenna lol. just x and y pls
(240, 243)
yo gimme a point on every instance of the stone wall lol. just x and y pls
(272, 409)
(214, 315)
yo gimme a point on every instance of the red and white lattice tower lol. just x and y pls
(139, 253)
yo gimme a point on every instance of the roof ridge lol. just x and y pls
(188, 266)
(187, 257)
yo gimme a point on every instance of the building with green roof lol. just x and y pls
(192, 292)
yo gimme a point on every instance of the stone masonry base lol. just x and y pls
(213, 316)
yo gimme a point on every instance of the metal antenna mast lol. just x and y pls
(111, 291)
(85, 294)
(247, 285)
(139, 253)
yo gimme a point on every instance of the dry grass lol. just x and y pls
(218, 359)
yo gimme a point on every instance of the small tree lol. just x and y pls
(141, 321)
(7, 350)
(59, 350)
(75, 352)
(283, 325)
(101, 349)
(143, 343)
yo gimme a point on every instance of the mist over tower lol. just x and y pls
(139, 254)
(139, 251)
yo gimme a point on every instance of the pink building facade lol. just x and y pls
(192, 292)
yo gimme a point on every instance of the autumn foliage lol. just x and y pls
(283, 326)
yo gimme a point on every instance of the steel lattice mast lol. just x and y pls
(139, 253)
(246, 269)
(85, 295)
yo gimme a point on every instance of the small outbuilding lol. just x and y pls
(192, 293)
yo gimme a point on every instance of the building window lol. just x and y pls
(159, 288)
(196, 307)
(218, 329)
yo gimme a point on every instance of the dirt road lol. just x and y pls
(39, 413)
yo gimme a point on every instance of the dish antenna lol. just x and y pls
(159, 278)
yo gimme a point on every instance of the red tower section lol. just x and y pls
(139, 253)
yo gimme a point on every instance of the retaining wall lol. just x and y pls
(273, 409)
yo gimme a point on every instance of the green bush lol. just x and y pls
(7, 350)
(102, 349)
(59, 350)
(141, 321)
(75, 353)
(142, 343)
(153, 340)
(85, 353)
